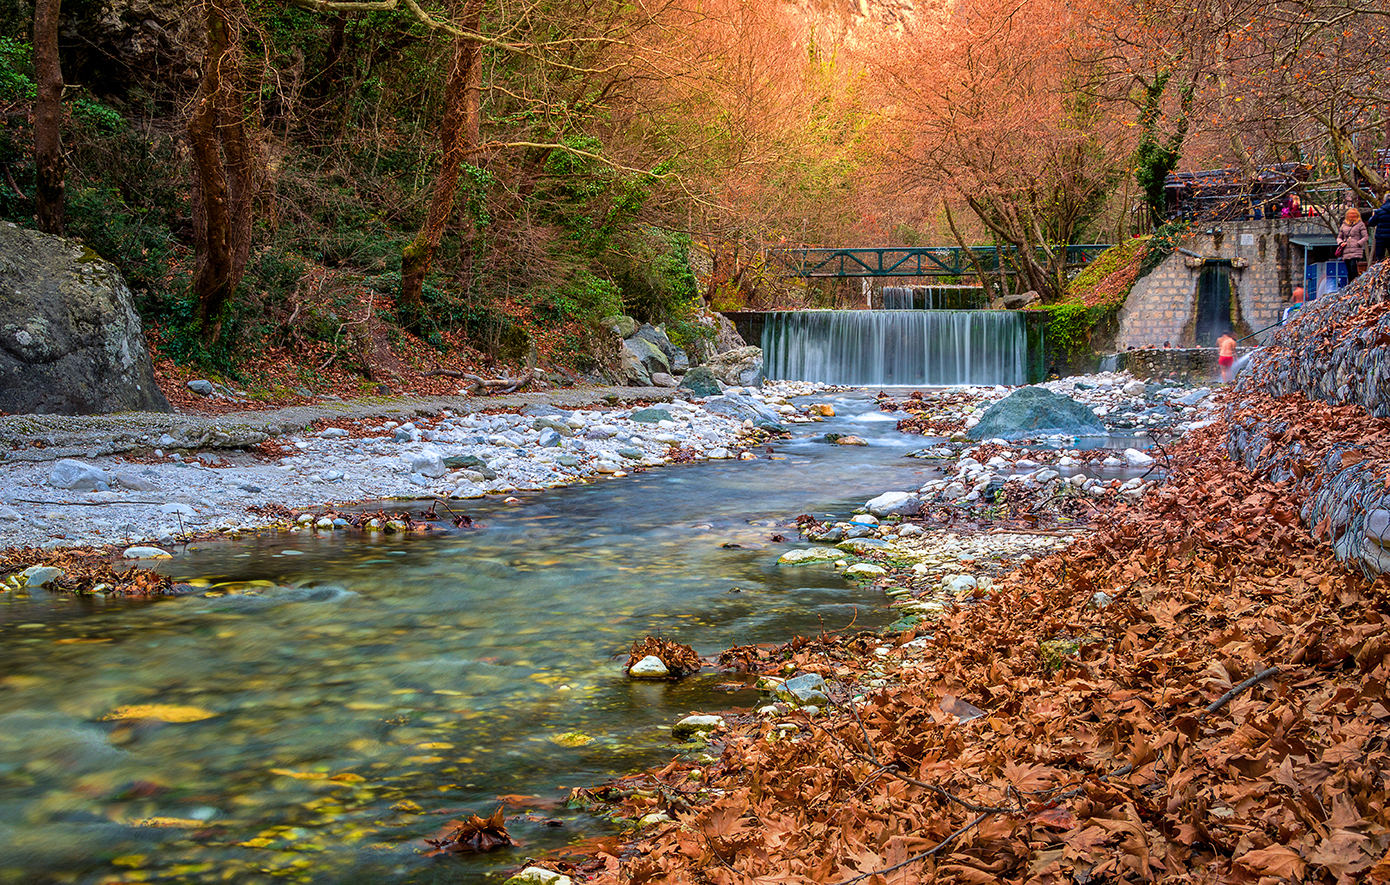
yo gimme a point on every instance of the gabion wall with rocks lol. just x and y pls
(1337, 350)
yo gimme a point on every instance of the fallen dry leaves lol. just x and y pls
(1222, 719)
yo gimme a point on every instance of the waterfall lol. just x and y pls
(896, 347)
(897, 298)
(936, 297)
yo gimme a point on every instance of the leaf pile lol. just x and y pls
(85, 569)
(473, 835)
(679, 659)
(1219, 715)
(928, 416)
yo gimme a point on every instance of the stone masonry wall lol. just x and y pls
(1337, 350)
(1265, 269)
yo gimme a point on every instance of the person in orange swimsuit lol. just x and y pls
(1225, 355)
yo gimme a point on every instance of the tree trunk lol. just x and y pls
(224, 177)
(460, 131)
(48, 115)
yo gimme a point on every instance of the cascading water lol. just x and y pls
(896, 347)
(932, 298)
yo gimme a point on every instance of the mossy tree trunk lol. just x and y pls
(225, 174)
(460, 131)
(48, 114)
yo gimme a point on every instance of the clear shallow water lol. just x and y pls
(402, 682)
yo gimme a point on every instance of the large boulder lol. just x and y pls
(700, 381)
(1020, 300)
(721, 337)
(742, 367)
(648, 332)
(70, 340)
(1036, 411)
(622, 326)
(640, 359)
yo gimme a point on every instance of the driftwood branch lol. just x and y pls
(478, 384)
(930, 852)
(1236, 690)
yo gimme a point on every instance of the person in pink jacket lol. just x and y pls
(1352, 238)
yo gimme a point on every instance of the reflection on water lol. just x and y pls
(368, 690)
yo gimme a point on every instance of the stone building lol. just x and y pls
(1237, 275)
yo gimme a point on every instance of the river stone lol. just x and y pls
(70, 339)
(40, 575)
(472, 462)
(741, 407)
(548, 423)
(741, 367)
(861, 545)
(140, 552)
(426, 462)
(957, 584)
(808, 556)
(693, 725)
(201, 386)
(808, 688)
(865, 570)
(76, 476)
(845, 439)
(700, 381)
(649, 667)
(1036, 411)
(661, 379)
(539, 876)
(1136, 458)
(650, 416)
(549, 438)
(890, 503)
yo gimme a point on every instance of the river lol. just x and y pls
(349, 695)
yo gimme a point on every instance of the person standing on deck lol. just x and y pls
(1225, 355)
(1351, 243)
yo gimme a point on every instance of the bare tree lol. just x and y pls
(226, 170)
(48, 114)
(998, 113)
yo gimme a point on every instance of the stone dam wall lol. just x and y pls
(1336, 350)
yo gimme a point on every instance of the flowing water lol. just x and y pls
(897, 347)
(369, 690)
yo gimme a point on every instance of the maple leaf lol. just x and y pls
(1276, 860)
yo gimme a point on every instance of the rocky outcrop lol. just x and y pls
(70, 340)
(157, 44)
(1031, 412)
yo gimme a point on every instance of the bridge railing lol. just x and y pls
(911, 261)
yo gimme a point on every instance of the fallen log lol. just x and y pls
(478, 384)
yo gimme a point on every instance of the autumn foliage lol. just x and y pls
(1218, 715)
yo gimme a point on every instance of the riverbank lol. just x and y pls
(1189, 692)
(146, 483)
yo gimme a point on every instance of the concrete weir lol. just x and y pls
(1338, 351)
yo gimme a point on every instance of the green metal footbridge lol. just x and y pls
(911, 261)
